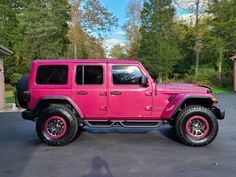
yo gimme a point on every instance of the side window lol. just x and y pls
(126, 75)
(88, 75)
(52, 75)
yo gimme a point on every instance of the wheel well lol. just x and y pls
(52, 102)
(205, 102)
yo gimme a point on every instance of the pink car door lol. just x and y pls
(127, 98)
(89, 90)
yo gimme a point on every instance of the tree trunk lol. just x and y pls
(220, 62)
(197, 52)
(75, 51)
(197, 40)
(160, 77)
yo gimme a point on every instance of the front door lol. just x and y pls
(127, 98)
(89, 90)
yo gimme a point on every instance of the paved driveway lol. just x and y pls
(117, 152)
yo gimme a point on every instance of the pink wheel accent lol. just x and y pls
(197, 127)
(55, 127)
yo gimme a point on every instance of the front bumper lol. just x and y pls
(219, 111)
(28, 115)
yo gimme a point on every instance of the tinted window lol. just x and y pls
(79, 74)
(52, 74)
(126, 75)
(89, 75)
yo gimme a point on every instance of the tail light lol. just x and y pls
(27, 96)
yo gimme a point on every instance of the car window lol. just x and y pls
(126, 75)
(52, 74)
(86, 75)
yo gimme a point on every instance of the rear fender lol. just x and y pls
(179, 101)
(59, 98)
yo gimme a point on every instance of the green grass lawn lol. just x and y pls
(9, 96)
(222, 90)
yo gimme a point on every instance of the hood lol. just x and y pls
(177, 88)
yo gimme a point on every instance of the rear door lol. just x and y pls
(89, 90)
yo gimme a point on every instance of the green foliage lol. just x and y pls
(8, 87)
(36, 29)
(15, 78)
(218, 44)
(118, 52)
(221, 39)
(33, 29)
(132, 27)
(159, 46)
(9, 9)
(207, 76)
(9, 96)
(42, 30)
(186, 44)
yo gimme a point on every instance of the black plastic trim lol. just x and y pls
(186, 98)
(219, 111)
(28, 115)
(36, 107)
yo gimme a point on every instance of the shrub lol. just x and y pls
(206, 76)
(15, 78)
(8, 87)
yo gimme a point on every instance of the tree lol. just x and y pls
(8, 21)
(223, 31)
(186, 44)
(197, 9)
(118, 52)
(89, 26)
(159, 48)
(41, 32)
(132, 27)
(9, 10)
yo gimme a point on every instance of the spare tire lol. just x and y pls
(21, 87)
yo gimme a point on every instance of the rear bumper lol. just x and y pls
(219, 111)
(28, 115)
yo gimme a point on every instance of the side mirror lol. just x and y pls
(144, 81)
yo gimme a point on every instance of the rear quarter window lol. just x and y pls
(52, 75)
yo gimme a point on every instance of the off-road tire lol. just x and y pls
(65, 115)
(183, 118)
(21, 87)
(172, 123)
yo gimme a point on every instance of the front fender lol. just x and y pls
(176, 103)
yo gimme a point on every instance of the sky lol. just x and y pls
(118, 8)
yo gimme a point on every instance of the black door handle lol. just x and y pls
(116, 93)
(82, 93)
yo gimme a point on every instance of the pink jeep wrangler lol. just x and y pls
(62, 96)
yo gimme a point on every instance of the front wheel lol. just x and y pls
(196, 126)
(57, 126)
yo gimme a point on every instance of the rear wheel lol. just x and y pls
(196, 126)
(57, 125)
